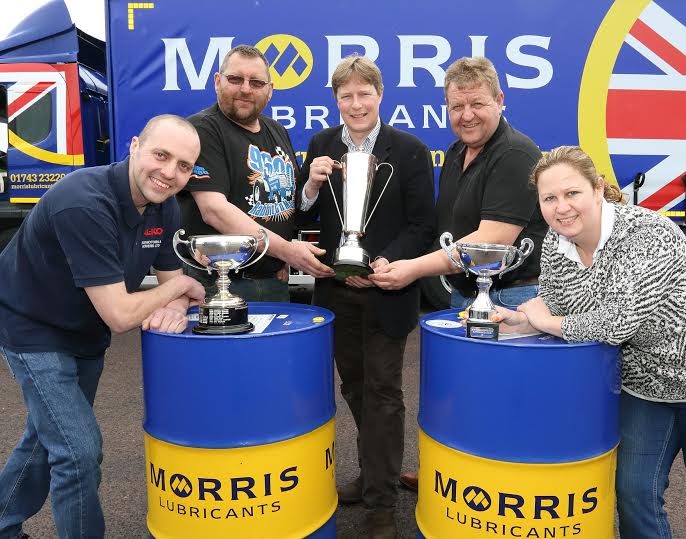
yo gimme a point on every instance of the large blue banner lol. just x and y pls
(608, 75)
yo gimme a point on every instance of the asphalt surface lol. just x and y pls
(119, 408)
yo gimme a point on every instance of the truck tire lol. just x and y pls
(6, 236)
(434, 293)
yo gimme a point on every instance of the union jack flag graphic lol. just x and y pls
(26, 85)
(646, 110)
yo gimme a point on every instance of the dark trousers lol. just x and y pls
(370, 364)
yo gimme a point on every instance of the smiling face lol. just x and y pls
(161, 162)
(240, 102)
(570, 204)
(358, 102)
(474, 113)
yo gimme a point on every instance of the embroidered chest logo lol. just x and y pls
(152, 237)
(273, 184)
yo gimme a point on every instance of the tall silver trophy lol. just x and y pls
(223, 313)
(485, 260)
(358, 170)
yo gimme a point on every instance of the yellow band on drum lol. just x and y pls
(461, 495)
(284, 489)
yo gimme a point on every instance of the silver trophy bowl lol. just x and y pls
(223, 313)
(358, 171)
(485, 260)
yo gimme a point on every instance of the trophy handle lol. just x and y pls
(525, 248)
(446, 242)
(328, 180)
(364, 228)
(264, 237)
(176, 241)
(446, 285)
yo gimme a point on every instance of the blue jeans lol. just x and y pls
(510, 298)
(651, 435)
(61, 449)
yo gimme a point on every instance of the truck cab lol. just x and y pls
(53, 109)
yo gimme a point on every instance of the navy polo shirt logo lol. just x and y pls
(153, 237)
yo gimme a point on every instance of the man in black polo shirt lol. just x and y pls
(70, 277)
(245, 178)
(484, 192)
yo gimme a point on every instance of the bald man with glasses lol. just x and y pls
(245, 179)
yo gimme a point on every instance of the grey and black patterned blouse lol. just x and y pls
(634, 294)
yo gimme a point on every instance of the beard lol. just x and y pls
(240, 115)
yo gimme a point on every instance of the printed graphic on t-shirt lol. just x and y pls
(273, 184)
(200, 173)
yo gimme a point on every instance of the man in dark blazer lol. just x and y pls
(371, 324)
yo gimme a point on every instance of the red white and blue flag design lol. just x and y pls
(646, 110)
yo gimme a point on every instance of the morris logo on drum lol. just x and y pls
(517, 505)
(228, 488)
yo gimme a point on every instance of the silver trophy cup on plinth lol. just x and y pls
(358, 170)
(485, 260)
(223, 313)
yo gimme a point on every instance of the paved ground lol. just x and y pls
(119, 408)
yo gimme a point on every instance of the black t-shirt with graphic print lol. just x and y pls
(256, 172)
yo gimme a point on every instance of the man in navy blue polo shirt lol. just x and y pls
(71, 275)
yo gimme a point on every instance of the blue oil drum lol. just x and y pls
(239, 429)
(517, 437)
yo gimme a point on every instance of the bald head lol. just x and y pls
(168, 119)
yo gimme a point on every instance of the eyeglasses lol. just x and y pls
(236, 80)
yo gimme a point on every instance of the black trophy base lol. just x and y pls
(487, 331)
(222, 321)
(351, 269)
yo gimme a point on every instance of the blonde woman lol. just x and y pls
(617, 274)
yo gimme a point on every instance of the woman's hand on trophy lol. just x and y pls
(540, 318)
(320, 169)
(395, 275)
(511, 321)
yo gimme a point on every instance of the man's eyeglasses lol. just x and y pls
(255, 84)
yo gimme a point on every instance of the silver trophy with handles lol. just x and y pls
(223, 313)
(485, 260)
(358, 170)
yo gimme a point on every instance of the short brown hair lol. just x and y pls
(579, 160)
(359, 66)
(247, 51)
(468, 72)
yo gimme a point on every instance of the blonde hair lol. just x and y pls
(579, 160)
(468, 72)
(361, 66)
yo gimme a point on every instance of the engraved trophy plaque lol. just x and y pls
(223, 313)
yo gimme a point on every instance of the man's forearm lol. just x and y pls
(436, 263)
